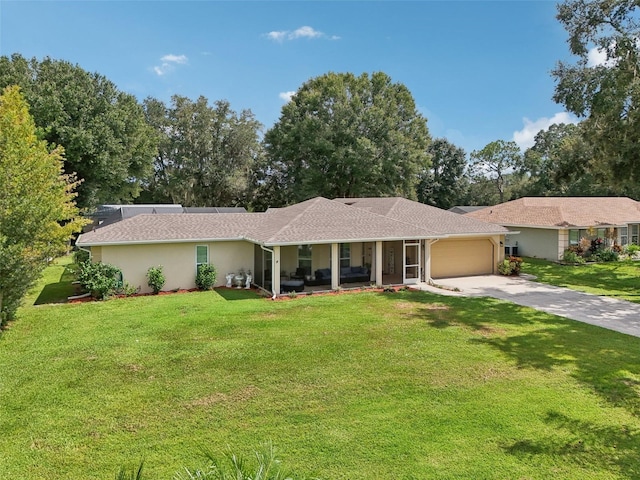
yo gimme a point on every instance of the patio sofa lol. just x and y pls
(347, 275)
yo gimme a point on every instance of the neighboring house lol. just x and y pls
(108, 214)
(547, 226)
(462, 209)
(313, 243)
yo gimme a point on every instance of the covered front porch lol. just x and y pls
(281, 269)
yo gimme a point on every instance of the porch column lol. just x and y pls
(275, 270)
(427, 260)
(335, 266)
(498, 253)
(378, 263)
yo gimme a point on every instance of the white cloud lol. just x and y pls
(277, 36)
(181, 59)
(302, 32)
(525, 138)
(286, 96)
(169, 63)
(305, 32)
(596, 57)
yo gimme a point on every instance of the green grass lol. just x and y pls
(615, 279)
(350, 386)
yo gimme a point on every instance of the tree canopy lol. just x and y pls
(445, 183)
(603, 86)
(206, 154)
(107, 142)
(496, 165)
(343, 135)
(37, 211)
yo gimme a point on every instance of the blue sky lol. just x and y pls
(479, 71)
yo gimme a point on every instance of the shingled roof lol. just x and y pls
(318, 220)
(562, 212)
(435, 220)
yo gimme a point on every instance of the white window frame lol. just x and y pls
(633, 237)
(624, 235)
(197, 263)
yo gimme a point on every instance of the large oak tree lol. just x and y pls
(206, 153)
(603, 85)
(103, 131)
(343, 135)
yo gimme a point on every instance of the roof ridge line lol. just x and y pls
(314, 201)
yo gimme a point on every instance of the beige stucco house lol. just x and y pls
(319, 242)
(547, 226)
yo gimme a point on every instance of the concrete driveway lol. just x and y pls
(618, 315)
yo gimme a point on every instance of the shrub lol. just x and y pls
(127, 289)
(156, 278)
(510, 266)
(607, 256)
(102, 280)
(569, 256)
(631, 249)
(80, 256)
(206, 277)
(292, 294)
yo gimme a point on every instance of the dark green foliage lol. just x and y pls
(206, 277)
(445, 183)
(344, 136)
(102, 280)
(80, 256)
(156, 278)
(606, 93)
(206, 153)
(103, 131)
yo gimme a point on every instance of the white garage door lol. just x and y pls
(459, 258)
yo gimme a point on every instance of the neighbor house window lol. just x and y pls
(345, 255)
(304, 258)
(634, 233)
(202, 255)
(574, 237)
(624, 239)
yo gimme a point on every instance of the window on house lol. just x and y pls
(345, 255)
(304, 258)
(202, 255)
(574, 237)
(624, 238)
(634, 233)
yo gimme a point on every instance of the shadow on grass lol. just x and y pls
(59, 291)
(606, 362)
(237, 293)
(585, 443)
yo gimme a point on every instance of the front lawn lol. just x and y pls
(616, 279)
(349, 386)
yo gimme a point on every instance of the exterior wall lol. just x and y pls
(356, 254)
(96, 254)
(563, 242)
(289, 259)
(320, 256)
(178, 261)
(538, 242)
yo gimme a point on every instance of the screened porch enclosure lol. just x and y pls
(313, 267)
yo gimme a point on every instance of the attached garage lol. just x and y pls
(462, 257)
